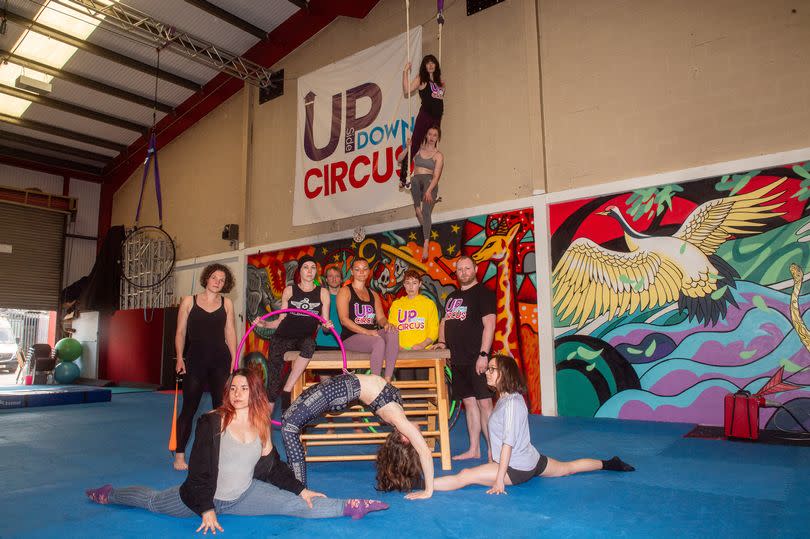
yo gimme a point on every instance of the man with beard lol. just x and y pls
(467, 329)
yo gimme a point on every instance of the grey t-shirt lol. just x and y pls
(509, 424)
(236, 464)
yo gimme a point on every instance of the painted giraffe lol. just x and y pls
(498, 248)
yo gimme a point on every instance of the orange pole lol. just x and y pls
(173, 435)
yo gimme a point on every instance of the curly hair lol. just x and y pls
(510, 379)
(412, 274)
(398, 466)
(210, 269)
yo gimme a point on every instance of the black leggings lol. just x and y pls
(193, 385)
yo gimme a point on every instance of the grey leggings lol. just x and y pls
(259, 499)
(419, 184)
(386, 346)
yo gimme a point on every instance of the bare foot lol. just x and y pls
(469, 454)
(180, 462)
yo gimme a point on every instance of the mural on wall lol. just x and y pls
(502, 245)
(668, 298)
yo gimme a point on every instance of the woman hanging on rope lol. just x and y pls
(431, 90)
(515, 459)
(235, 470)
(206, 323)
(428, 163)
(384, 400)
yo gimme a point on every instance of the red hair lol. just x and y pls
(258, 405)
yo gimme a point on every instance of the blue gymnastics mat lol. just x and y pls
(33, 396)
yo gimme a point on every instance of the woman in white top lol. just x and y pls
(515, 458)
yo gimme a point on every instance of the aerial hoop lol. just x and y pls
(299, 311)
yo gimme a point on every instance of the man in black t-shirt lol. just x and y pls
(467, 329)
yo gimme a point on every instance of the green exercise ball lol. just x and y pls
(65, 372)
(68, 349)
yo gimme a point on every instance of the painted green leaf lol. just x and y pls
(650, 349)
(571, 356)
(635, 351)
(683, 247)
(587, 354)
(717, 294)
(801, 171)
(747, 354)
(789, 365)
(590, 367)
(713, 276)
(759, 303)
(625, 279)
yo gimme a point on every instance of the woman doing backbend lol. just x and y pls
(206, 323)
(235, 470)
(431, 90)
(515, 459)
(383, 399)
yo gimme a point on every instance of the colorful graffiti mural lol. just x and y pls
(502, 245)
(668, 298)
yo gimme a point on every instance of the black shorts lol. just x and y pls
(275, 363)
(521, 476)
(467, 383)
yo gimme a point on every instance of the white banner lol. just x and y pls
(352, 123)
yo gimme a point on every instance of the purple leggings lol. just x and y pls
(385, 346)
(424, 121)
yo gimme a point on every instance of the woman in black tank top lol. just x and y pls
(365, 326)
(431, 88)
(205, 343)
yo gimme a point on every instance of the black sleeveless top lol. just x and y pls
(296, 325)
(361, 313)
(206, 335)
(430, 103)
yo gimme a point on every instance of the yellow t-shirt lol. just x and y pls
(416, 319)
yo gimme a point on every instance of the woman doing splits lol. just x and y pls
(383, 399)
(428, 164)
(431, 90)
(235, 470)
(206, 323)
(515, 458)
(365, 327)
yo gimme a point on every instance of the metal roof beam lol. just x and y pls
(165, 35)
(64, 133)
(101, 51)
(25, 155)
(228, 17)
(53, 146)
(72, 109)
(85, 82)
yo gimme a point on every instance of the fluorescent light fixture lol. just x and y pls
(75, 22)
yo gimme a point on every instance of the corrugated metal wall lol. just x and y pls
(80, 254)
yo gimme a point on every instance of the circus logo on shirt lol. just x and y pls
(455, 310)
(305, 305)
(408, 320)
(363, 314)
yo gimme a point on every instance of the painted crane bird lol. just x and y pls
(590, 280)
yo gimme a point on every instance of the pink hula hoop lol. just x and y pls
(280, 311)
(299, 311)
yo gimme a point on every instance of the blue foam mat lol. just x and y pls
(12, 397)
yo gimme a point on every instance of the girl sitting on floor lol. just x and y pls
(234, 469)
(515, 458)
